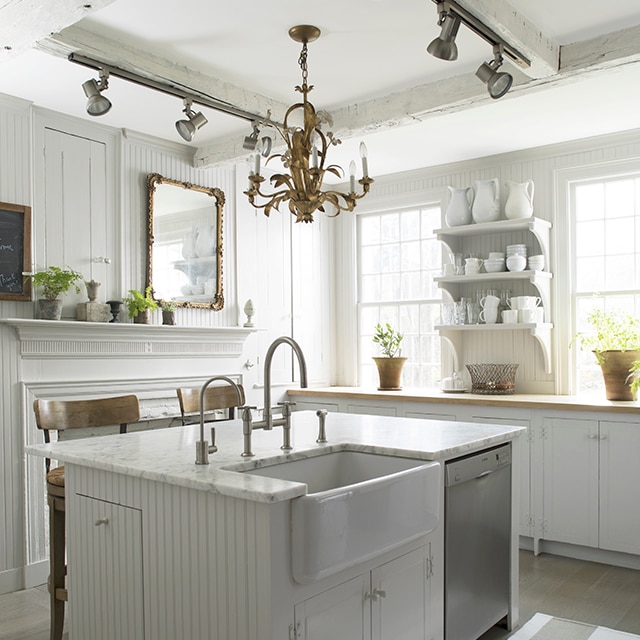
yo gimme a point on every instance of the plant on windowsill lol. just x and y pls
(614, 339)
(634, 378)
(390, 364)
(52, 283)
(140, 305)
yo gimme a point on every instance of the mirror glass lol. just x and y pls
(184, 261)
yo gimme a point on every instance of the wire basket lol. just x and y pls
(493, 379)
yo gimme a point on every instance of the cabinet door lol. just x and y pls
(570, 478)
(338, 613)
(619, 481)
(401, 597)
(105, 572)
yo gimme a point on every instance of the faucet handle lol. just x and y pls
(212, 447)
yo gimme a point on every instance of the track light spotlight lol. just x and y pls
(97, 104)
(444, 46)
(251, 141)
(497, 83)
(187, 128)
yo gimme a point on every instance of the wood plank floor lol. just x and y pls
(594, 593)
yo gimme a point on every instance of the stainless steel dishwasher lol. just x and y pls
(477, 542)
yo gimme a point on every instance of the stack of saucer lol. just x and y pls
(517, 249)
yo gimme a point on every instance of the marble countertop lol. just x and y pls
(168, 455)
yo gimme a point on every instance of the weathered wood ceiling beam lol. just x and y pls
(25, 23)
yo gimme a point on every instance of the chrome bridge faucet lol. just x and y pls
(268, 422)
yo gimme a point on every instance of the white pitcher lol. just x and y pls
(486, 204)
(459, 207)
(189, 245)
(520, 200)
(205, 241)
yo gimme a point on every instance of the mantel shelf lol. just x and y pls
(73, 339)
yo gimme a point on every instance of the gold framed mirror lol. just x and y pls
(184, 243)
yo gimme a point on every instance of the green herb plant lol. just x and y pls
(168, 305)
(388, 339)
(138, 302)
(54, 281)
(610, 331)
(634, 378)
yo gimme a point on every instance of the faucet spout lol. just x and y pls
(267, 418)
(202, 446)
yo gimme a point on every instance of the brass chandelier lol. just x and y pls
(305, 157)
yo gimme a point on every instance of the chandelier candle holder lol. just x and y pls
(305, 157)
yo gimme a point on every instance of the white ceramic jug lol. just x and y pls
(189, 245)
(205, 244)
(459, 207)
(486, 204)
(520, 200)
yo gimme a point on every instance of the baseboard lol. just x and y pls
(11, 580)
(36, 574)
(615, 558)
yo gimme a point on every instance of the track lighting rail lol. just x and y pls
(181, 92)
(482, 30)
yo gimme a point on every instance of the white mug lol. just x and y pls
(448, 270)
(489, 315)
(510, 316)
(527, 316)
(529, 302)
(514, 302)
(489, 301)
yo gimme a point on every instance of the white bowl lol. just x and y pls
(494, 266)
(516, 263)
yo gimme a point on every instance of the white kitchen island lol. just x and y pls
(161, 548)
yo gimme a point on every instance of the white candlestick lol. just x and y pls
(352, 176)
(256, 169)
(314, 157)
(365, 162)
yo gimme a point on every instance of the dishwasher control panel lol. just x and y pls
(477, 465)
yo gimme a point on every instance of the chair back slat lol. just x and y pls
(222, 396)
(59, 415)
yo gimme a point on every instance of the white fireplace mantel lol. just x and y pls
(72, 339)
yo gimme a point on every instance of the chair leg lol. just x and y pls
(56, 565)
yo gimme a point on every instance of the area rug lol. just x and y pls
(544, 627)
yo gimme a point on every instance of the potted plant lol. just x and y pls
(53, 282)
(390, 364)
(614, 339)
(139, 305)
(168, 311)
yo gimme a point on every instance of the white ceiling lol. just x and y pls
(368, 49)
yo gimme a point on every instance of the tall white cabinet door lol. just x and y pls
(400, 597)
(619, 482)
(105, 572)
(340, 613)
(570, 477)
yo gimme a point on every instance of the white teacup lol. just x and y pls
(448, 269)
(510, 316)
(527, 316)
(528, 302)
(489, 315)
(489, 301)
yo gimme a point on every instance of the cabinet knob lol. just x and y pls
(381, 593)
(101, 521)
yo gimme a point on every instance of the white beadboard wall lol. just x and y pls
(15, 187)
(542, 165)
(222, 550)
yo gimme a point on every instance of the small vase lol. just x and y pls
(92, 290)
(519, 203)
(143, 317)
(486, 204)
(459, 208)
(205, 245)
(49, 309)
(189, 245)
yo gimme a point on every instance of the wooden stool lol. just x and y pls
(215, 397)
(58, 415)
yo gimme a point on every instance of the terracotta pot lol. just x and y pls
(615, 367)
(49, 309)
(390, 373)
(143, 317)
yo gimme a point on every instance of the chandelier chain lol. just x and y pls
(302, 61)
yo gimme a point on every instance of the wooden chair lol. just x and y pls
(215, 397)
(59, 415)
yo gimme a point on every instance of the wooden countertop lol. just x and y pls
(520, 401)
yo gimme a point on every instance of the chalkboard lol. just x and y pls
(15, 251)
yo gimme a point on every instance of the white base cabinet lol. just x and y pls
(590, 476)
(390, 601)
